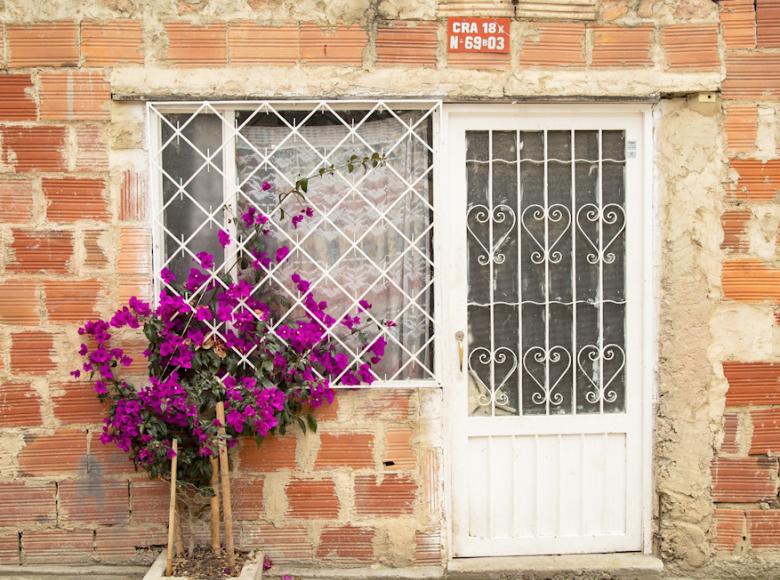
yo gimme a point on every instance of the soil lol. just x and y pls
(205, 565)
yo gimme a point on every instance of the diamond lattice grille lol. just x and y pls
(371, 233)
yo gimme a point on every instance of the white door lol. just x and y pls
(543, 293)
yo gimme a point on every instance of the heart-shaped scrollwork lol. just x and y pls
(611, 214)
(551, 362)
(500, 217)
(590, 360)
(556, 218)
(484, 357)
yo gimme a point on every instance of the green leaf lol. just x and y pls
(312, 422)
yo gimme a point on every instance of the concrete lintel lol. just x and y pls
(41, 572)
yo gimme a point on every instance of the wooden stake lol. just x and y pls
(227, 511)
(215, 543)
(172, 512)
(179, 535)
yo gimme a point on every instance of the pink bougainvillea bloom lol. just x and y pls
(206, 260)
(224, 238)
(167, 276)
(266, 186)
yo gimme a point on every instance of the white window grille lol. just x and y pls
(371, 234)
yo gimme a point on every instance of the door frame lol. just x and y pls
(650, 277)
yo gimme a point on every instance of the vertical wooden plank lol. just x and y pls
(215, 542)
(593, 484)
(502, 486)
(227, 508)
(478, 487)
(172, 511)
(548, 489)
(524, 489)
(615, 512)
(571, 486)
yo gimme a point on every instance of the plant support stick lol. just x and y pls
(215, 543)
(225, 472)
(172, 512)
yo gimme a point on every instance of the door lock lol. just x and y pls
(459, 336)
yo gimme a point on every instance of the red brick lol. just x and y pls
(768, 23)
(385, 404)
(327, 412)
(20, 405)
(734, 223)
(752, 76)
(15, 200)
(250, 43)
(691, 46)
(744, 480)
(9, 548)
(71, 199)
(25, 504)
(247, 497)
(71, 300)
(77, 403)
(730, 427)
(94, 254)
(108, 459)
(341, 46)
(613, 9)
(75, 96)
(281, 544)
(312, 499)
(132, 203)
(738, 22)
(57, 546)
(750, 281)
(764, 528)
(19, 302)
(272, 454)
(407, 43)
(111, 43)
(346, 543)
(428, 547)
(399, 449)
(138, 286)
(758, 181)
(129, 545)
(49, 44)
(41, 251)
(729, 529)
(91, 149)
(32, 352)
(752, 383)
(766, 432)
(16, 100)
(197, 46)
(615, 46)
(741, 126)
(34, 148)
(93, 501)
(63, 453)
(135, 251)
(393, 496)
(355, 450)
(150, 500)
(554, 45)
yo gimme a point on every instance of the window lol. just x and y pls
(371, 233)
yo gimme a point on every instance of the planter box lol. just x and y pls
(252, 570)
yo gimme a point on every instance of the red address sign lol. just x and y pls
(478, 34)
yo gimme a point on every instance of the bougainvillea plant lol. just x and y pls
(221, 335)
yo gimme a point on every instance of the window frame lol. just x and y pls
(227, 109)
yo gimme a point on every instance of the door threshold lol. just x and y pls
(626, 565)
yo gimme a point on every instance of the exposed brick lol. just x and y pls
(15, 199)
(730, 427)
(132, 203)
(272, 454)
(108, 459)
(355, 450)
(9, 548)
(341, 46)
(196, 46)
(94, 254)
(555, 45)
(758, 181)
(23, 503)
(19, 302)
(120, 545)
(387, 404)
(150, 500)
(250, 43)
(45, 44)
(111, 43)
(752, 383)
(71, 300)
(407, 43)
(91, 149)
(738, 22)
(744, 480)
(764, 528)
(766, 432)
(327, 412)
(310, 498)
(428, 547)
(77, 404)
(752, 76)
(20, 405)
(93, 501)
(741, 126)
(729, 529)
(75, 96)
(479, 60)
(393, 496)
(750, 281)
(34, 148)
(63, 453)
(623, 47)
(612, 9)
(768, 23)
(135, 251)
(16, 100)
(346, 543)
(247, 497)
(399, 449)
(70, 199)
(31, 353)
(734, 223)
(57, 546)
(41, 251)
(138, 286)
(691, 46)
(281, 544)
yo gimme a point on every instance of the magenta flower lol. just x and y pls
(266, 186)
(167, 276)
(206, 260)
(224, 238)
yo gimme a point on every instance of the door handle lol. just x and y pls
(459, 336)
